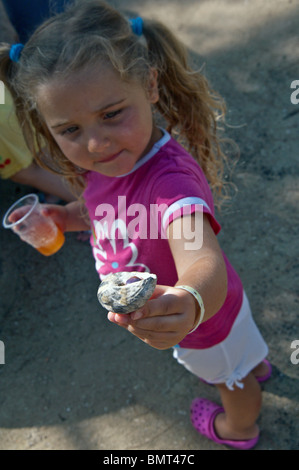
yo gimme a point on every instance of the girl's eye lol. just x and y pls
(112, 114)
(69, 130)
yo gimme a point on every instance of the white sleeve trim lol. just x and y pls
(186, 201)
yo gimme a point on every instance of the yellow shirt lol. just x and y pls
(14, 153)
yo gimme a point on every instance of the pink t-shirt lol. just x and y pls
(130, 215)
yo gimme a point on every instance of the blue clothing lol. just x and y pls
(26, 16)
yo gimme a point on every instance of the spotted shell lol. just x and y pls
(125, 292)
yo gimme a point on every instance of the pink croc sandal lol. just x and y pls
(203, 414)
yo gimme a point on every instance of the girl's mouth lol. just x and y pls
(109, 159)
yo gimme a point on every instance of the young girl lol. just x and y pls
(87, 82)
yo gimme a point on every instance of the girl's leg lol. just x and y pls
(260, 370)
(242, 407)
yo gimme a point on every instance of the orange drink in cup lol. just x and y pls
(26, 219)
(52, 246)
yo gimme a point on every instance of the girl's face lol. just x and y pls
(100, 122)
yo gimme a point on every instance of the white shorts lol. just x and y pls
(231, 360)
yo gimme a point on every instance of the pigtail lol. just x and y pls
(187, 102)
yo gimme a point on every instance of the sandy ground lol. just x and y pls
(71, 380)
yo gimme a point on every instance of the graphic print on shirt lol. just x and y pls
(112, 249)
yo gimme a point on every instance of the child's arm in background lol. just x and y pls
(171, 313)
(69, 218)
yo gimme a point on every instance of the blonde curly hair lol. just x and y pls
(90, 31)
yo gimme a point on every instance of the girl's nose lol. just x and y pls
(97, 144)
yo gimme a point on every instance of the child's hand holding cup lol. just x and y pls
(25, 217)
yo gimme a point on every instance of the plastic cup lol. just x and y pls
(25, 218)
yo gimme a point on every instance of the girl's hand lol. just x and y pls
(164, 320)
(172, 313)
(58, 213)
(68, 218)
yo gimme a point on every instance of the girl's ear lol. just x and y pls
(152, 90)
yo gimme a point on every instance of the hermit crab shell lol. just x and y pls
(125, 292)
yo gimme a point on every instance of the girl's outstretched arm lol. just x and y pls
(171, 313)
(202, 268)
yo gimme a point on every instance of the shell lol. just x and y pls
(122, 293)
